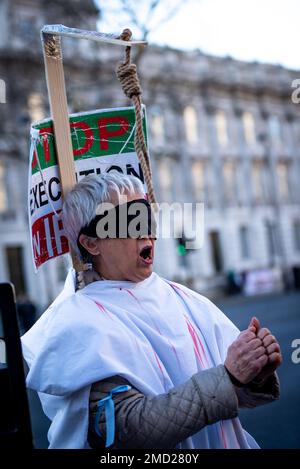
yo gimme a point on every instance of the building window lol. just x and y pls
(258, 183)
(283, 181)
(297, 130)
(4, 22)
(249, 128)
(36, 107)
(244, 242)
(157, 124)
(198, 179)
(165, 179)
(241, 189)
(275, 130)
(296, 229)
(221, 126)
(190, 122)
(271, 232)
(216, 251)
(27, 28)
(15, 264)
(3, 190)
(2, 96)
(229, 178)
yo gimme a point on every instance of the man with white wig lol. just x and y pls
(132, 360)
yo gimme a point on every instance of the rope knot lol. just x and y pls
(126, 35)
(127, 74)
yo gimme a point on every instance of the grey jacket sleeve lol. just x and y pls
(164, 420)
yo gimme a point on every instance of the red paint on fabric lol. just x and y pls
(100, 306)
(155, 325)
(140, 304)
(192, 330)
(194, 339)
(223, 436)
(176, 287)
(160, 367)
(104, 310)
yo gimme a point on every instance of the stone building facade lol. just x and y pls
(222, 132)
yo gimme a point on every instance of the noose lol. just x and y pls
(127, 75)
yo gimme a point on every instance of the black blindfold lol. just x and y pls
(134, 219)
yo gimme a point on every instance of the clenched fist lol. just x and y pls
(254, 355)
(273, 352)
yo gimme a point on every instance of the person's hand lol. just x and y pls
(273, 352)
(246, 356)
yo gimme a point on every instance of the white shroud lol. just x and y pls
(154, 333)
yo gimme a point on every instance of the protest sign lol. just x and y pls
(102, 141)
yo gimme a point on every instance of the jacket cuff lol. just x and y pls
(256, 394)
(217, 393)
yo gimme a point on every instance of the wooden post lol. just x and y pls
(60, 115)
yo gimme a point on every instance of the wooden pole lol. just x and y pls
(60, 115)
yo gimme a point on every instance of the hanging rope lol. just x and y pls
(127, 75)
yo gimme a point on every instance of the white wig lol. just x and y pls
(81, 203)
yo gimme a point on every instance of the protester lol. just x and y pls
(132, 360)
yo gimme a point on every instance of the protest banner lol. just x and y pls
(102, 141)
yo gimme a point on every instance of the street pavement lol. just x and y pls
(274, 425)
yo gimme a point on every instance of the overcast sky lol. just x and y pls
(262, 30)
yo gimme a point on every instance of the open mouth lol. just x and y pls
(146, 254)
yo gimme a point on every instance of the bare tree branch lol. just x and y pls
(146, 24)
(130, 11)
(156, 14)
(168, 16)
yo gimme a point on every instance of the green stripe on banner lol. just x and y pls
(94, 134)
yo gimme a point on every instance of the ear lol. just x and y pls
(91, 245)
